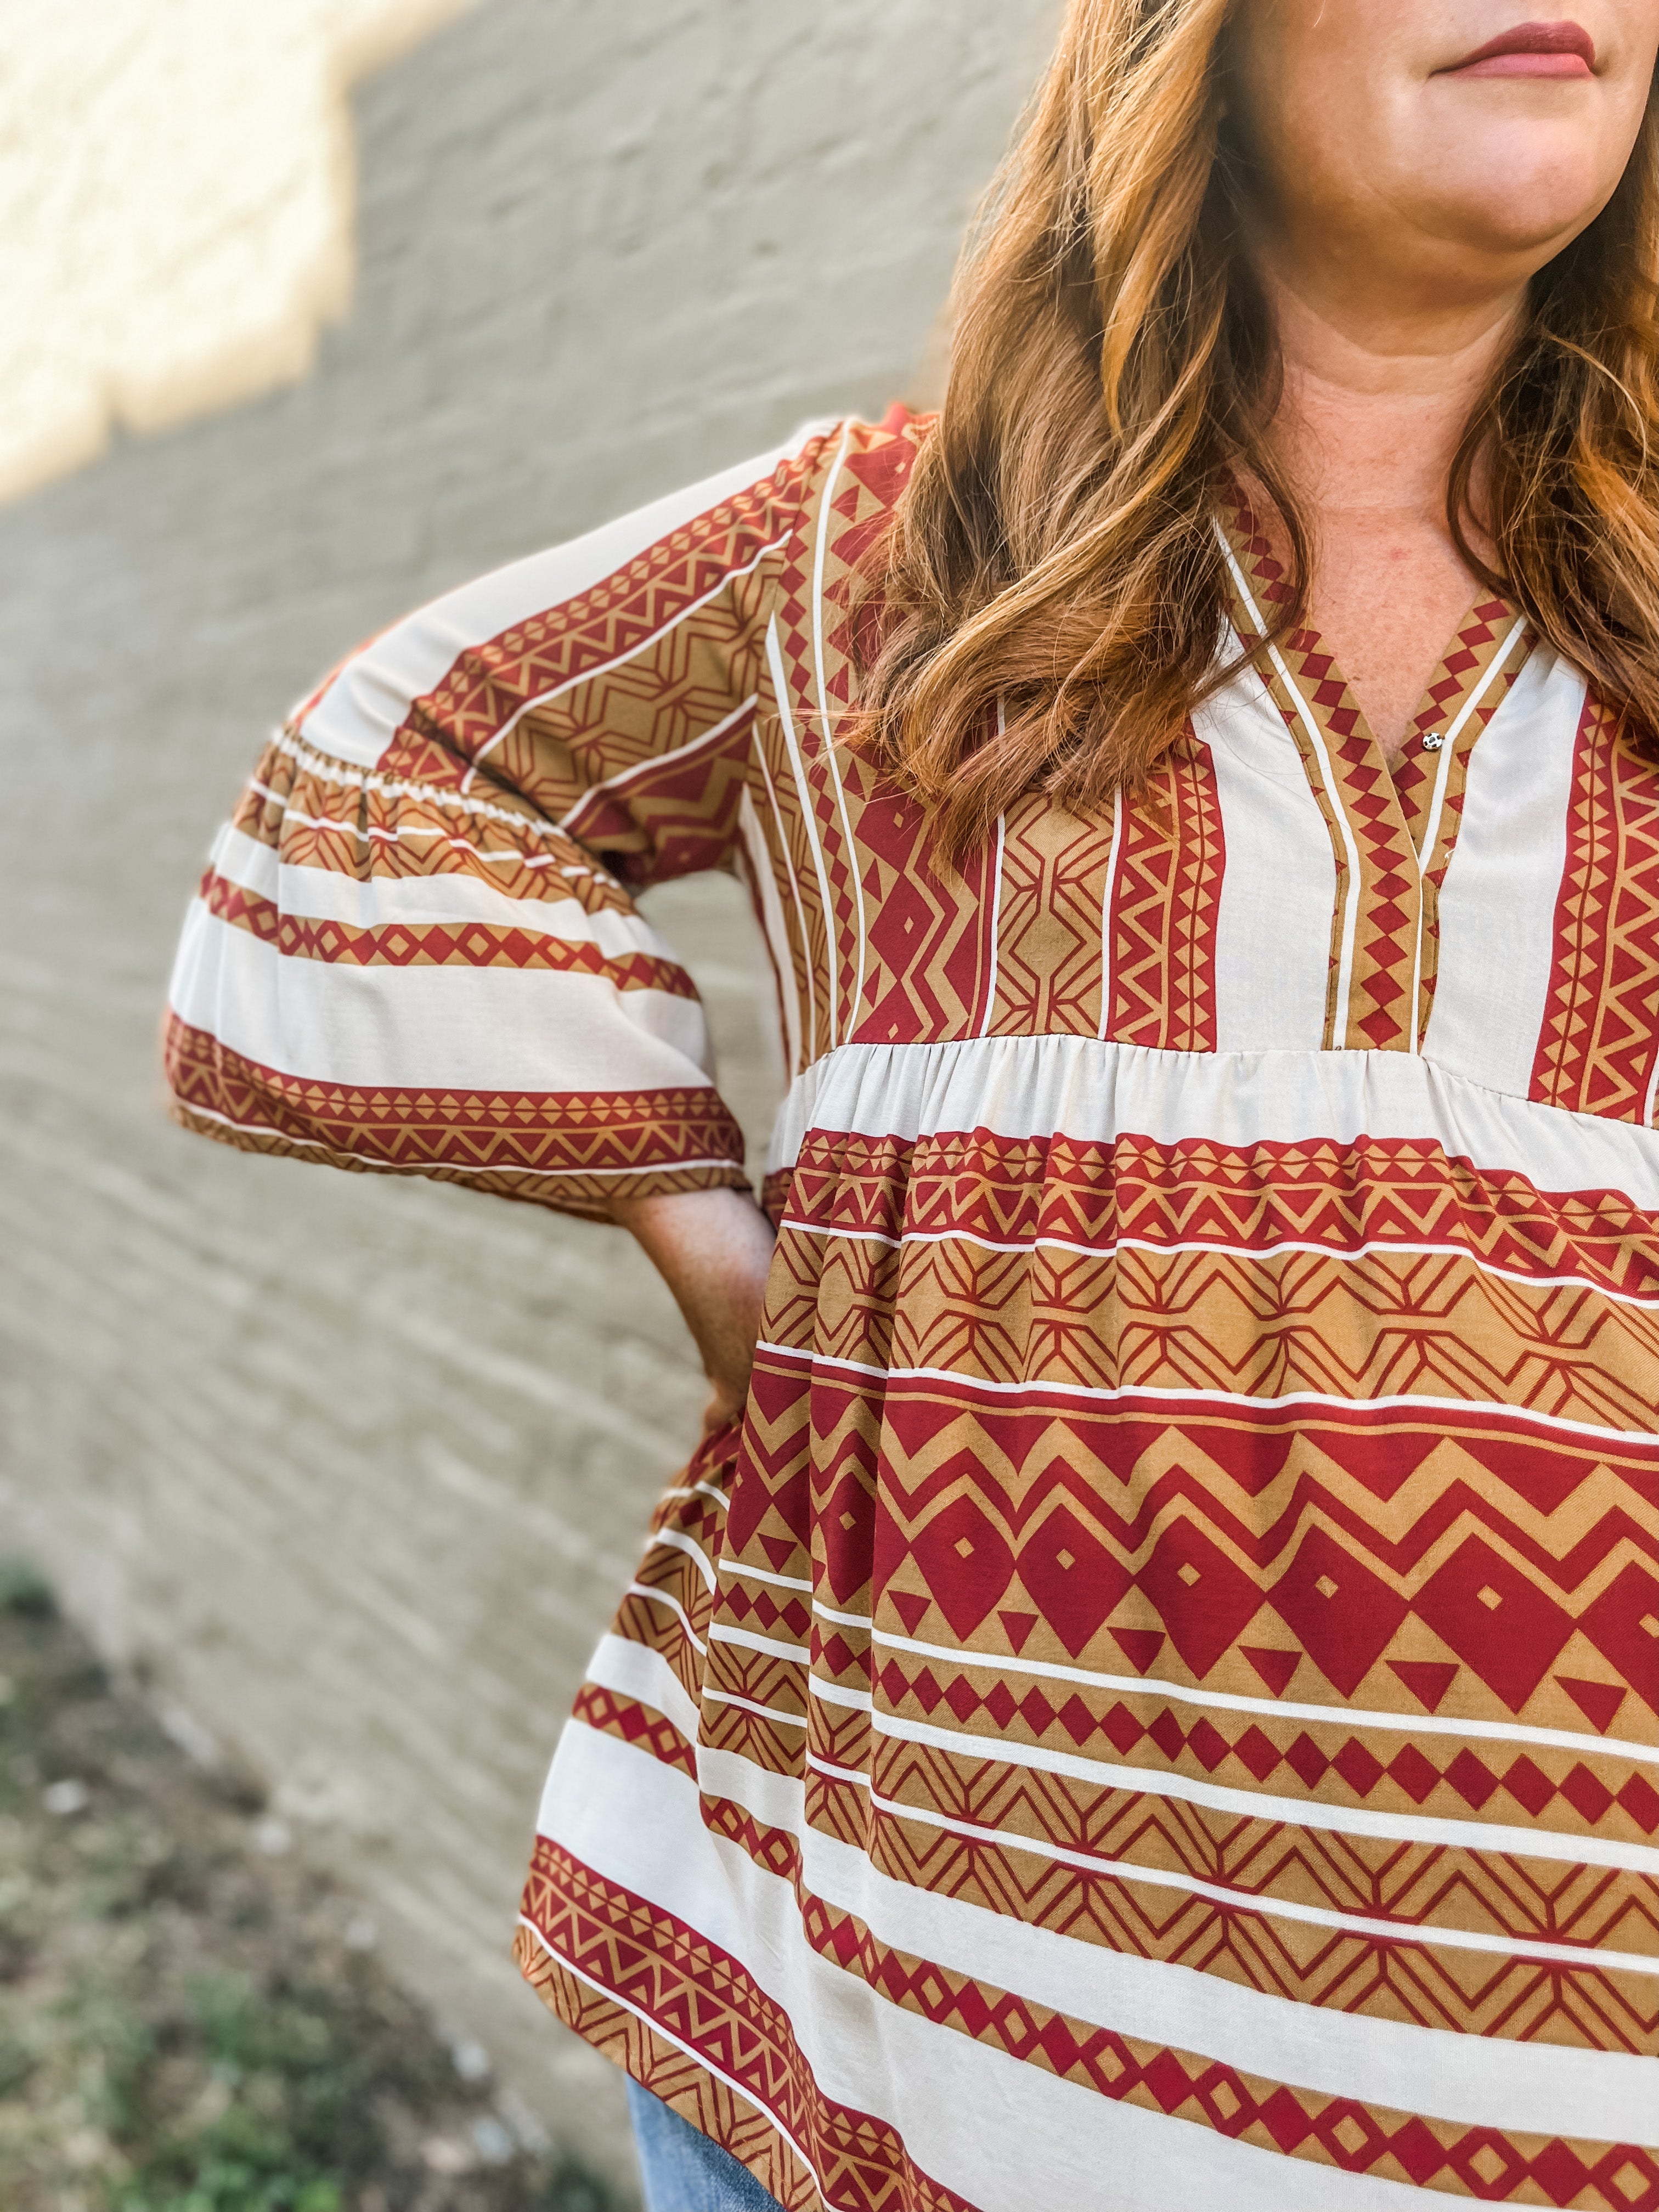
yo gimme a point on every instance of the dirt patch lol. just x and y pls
(191, 2018)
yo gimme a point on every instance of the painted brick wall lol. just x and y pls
(353, 1468)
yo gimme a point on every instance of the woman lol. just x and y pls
(1146, 1694)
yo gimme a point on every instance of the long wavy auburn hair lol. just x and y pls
(1046, 609)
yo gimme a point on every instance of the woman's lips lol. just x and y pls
(1531, 49)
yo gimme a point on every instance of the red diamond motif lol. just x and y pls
(1257, 1752)
(1036, 1713)
(1416, 1775)
(1122, 1728)
(1203, 1616)
(1346, 1631)
(1559, 2172)
(1470, 1779)
(1511, 1645)
(1076, 1719)
(1641, 1800)
(963, 1698)
(1360, 1769)
(1589, 1796)
(1208, 1745)
(964, 1560)
(1308, 1761)
(1166, 1733)
(1074, 1579)
(1000, 1705)
(1528, 1785)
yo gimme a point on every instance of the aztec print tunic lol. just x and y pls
(1159, 1704)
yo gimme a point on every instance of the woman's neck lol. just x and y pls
(1373, 411)
(1371, 416)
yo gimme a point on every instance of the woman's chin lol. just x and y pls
(1499, 210)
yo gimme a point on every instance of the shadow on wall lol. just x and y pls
(356, 1468)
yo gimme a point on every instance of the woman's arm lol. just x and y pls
(713, 1249)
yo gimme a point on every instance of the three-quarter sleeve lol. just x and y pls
(415, 949)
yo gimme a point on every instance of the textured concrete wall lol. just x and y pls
(175, 206)
(354, 1466)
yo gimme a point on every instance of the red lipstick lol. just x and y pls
(1531, 49)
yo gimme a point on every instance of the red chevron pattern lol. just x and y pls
(1163, 911)
(1599, 1047)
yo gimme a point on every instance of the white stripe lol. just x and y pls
(854, 870)
(675, 1540)
(748, 1706)
(1273, 939)
(341, 776)
(664, 1597)
(1005, 2139)
(432, 1028)
(634, 1671)
(700, 1490)
(1442, 773)
(1075, 1086)
(1499, 900)
(1107, 972)
(367, 703)
(803, 795)
(1180, 1246)
(764, 1575)
(1432, 1834)
(762, 878)
(996, 912)
(788, 860)
(1316, 736)
(770, 1647)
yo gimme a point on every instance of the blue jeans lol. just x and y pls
(684, 2171)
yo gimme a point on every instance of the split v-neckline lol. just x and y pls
(1393, 830)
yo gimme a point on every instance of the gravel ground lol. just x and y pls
(191, 2019)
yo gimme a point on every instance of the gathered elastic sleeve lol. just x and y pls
(415, 949)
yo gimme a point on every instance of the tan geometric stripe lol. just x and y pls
(1379, 1325)
(575, 1152)
(436, 945)
(1332, 1195)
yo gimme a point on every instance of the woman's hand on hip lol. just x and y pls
(713, 1249)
